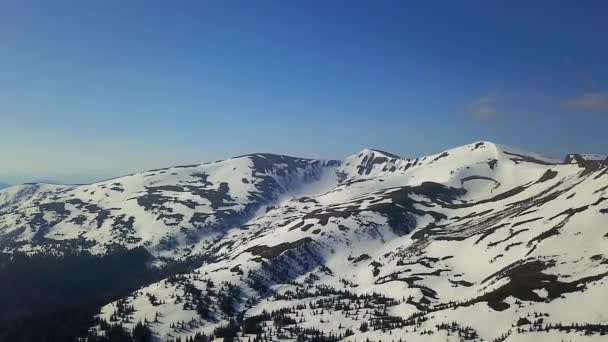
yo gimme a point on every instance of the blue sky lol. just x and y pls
(93, 89)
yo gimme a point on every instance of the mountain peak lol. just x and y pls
(452, 232)
(376, 152)
(573, 158)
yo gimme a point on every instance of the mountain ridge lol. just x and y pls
(569, 157)
(478, 242)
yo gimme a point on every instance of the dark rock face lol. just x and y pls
(274, 251)
(443, 155)
(527, 276)
(519, 158)
(548, 175)
(368, 162)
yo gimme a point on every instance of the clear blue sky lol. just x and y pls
(92, 89)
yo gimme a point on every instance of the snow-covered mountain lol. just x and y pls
(169, 211)
(479, 242)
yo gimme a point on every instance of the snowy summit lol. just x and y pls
(480, 243)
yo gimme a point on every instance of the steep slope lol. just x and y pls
(166, 211)
(479, 242)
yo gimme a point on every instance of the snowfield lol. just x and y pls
(479, 243)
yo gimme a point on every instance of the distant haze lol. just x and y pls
(92, 90)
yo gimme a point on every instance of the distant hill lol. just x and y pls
(3, 185)
(481, 242)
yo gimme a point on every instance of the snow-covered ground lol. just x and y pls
(479, 242)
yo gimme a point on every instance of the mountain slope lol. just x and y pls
(164, 210)
(479, 242)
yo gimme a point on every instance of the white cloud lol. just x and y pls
(590, 102)
(484, 108)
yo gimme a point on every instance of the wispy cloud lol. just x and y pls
(484, 108)
(596, 102)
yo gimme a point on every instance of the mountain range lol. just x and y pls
(481, 242)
